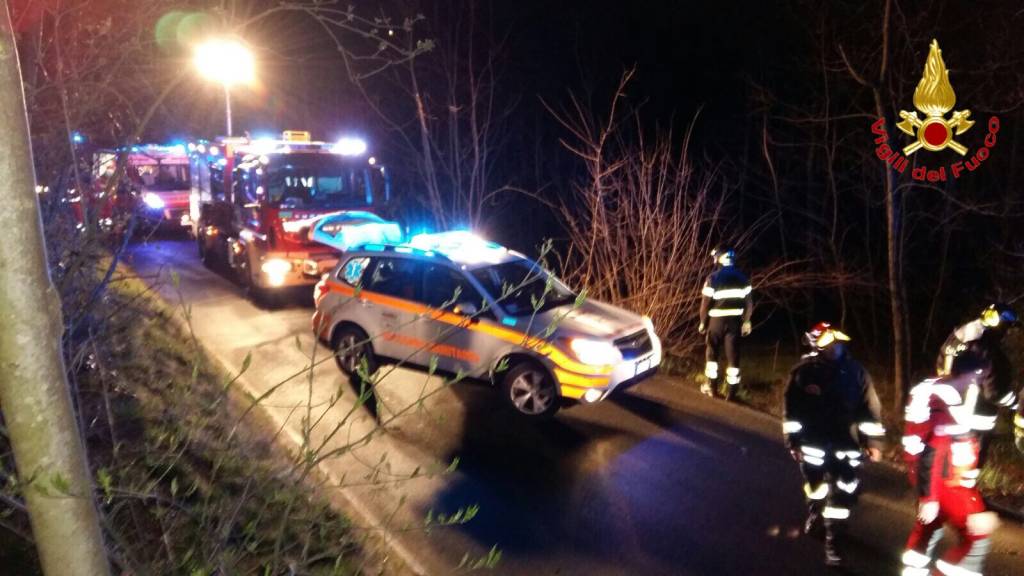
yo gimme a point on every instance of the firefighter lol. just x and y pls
(983, 338)
(941, 447)
(725, 311)
(1018, 427)
(832, 417)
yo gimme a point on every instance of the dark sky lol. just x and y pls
(689, 55)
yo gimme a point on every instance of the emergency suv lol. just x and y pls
(476, 308)
(278, 211)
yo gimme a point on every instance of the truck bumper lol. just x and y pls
(290, 269)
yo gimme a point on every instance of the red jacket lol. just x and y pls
(940, 442)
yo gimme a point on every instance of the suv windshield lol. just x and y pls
(318, 181)
(521, 287)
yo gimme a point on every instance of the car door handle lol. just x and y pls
(389, 315)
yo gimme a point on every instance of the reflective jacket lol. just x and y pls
(996, 388)
(831, 403)
(940, 438)
(726, 294)
(1018, 427)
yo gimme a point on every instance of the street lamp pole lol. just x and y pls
(227, 107)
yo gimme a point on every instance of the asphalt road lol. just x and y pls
(657, 481)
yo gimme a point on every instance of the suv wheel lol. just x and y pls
(351, 346)
(529, 389)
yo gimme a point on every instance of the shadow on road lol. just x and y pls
(624, 487)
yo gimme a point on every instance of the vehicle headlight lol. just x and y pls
(276, 267)
(595, 352)
(153, 201)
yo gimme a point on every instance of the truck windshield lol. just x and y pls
(320, 181)
(163, 177)
(522, 287)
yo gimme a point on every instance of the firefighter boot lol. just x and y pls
(732, 380)
(710, 385)
(730, 393)
(834, 544)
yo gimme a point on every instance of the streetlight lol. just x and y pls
(226, 61)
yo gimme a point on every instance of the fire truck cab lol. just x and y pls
(156, 178)
(256, 203)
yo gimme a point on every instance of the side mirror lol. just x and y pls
(466, 309)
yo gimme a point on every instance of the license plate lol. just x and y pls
(642, 366)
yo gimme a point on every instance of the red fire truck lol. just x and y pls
(156, 179)
(278, 211)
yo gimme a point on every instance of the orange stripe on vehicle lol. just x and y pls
(442, 349)
(578, 380)
(539, 345)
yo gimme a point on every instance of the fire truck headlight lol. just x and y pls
(275, 270)
(595, 352)
(153, 201)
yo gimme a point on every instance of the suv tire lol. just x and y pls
(350, 346)
(529, 389)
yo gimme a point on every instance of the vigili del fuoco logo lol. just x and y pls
(934, 98)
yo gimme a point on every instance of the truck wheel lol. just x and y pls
(530, 391)
(204, 255)
(351, 348)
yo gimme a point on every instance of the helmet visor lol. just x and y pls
(829, 337)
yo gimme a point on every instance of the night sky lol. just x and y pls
(689, 56)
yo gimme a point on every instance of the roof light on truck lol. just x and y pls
(350, 147)
(296, 136)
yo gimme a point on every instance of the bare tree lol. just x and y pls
(642, 220)
(451, 115)
(34, 389)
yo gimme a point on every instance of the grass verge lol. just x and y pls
(186, 484)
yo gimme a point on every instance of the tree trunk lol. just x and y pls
(34, 393)
(897, 307)
(893, 234)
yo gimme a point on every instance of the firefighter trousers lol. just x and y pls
(830, 483)
(963, 510)
(723, 339)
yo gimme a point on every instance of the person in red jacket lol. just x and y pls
(941, 446)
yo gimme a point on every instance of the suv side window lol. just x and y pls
(440, 284)
(398, 277)
(352, 272)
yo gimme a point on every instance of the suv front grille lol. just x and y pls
(634, 345)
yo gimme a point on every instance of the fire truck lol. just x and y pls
(279, 211)
(156, 179)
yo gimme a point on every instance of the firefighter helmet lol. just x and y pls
(999, 316)
(723, 255)
(822, 335)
